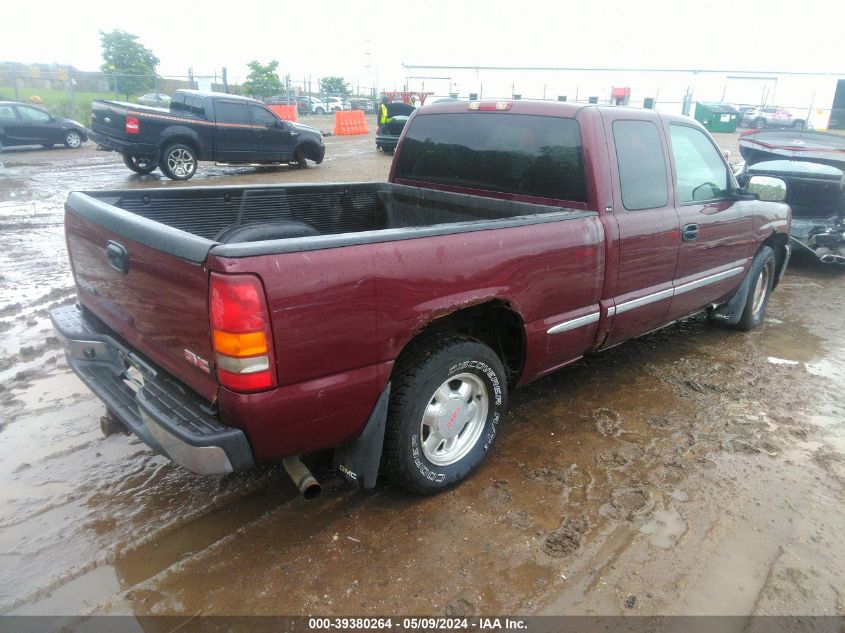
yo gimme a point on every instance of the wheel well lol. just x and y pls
(184, 140)
(309, 149)
(493, 323)
(777, 242)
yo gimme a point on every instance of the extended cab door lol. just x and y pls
(715, 230)
(647, 222)
(234, 135)
(273, 138)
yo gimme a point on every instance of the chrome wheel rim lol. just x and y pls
(454, 419)
(74, 140)
(180, 162)
(761, 288)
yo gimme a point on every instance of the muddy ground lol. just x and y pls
(692, 471)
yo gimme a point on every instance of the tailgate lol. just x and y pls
(148, 282)
(108, 119)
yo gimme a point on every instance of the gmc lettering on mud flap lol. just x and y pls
(485, 369)
(425, 471)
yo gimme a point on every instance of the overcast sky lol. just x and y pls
(333, 37)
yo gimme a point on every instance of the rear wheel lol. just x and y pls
(799, 125)
(448, 400)
(760, 123)
(139, 165)
(319, 111)
(73, 139)
(178, 162)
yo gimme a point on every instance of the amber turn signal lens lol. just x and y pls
(239, 345)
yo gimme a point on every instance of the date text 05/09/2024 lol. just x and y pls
(412, 624)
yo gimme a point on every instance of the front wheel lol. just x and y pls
(319, 111)
(178, 162)
(448, 401)
(799, 125)
(139, 165)
(73, 139)
(761, 278)
(760, 124)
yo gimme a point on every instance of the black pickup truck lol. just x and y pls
(201, 126)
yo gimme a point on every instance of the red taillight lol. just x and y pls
(241, 335)
(133, 125)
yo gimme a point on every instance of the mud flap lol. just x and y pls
(731, 312)
(359, 461)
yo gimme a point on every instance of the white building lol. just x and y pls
(676, 91)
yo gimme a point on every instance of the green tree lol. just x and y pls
(131, 63)
(334, 86)
(263, 81)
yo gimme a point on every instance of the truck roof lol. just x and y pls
(216, 95)
(564, 109)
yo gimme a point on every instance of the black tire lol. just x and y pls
(139, 165)
(299, 161)
(178, 161)
(432, 368)
(319, 111)
(760, 123)
(762, 276)
(799, 125)
(73, 139)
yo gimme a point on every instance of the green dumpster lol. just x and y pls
(717, 117)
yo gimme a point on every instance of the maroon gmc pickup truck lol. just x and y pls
(227, 326)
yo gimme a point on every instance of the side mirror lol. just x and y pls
(767, 188)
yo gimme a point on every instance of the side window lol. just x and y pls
(642, 166)
(197, 108)
(7, 112)
(261, 117)
(701, 172)
(33, 115)
(232, 112)
(177, 104)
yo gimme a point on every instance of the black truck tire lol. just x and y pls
(759, 282)
(139, 165)
(178, 161)
(448, 401)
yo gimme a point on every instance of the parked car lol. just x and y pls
(813, 166)
(201, 126)
(24, 124)
(387, 135)
(309, 105)
(156, 100)
(281, 100)
(389, 321)
(772, 117)
(365, 105)
(743, 110)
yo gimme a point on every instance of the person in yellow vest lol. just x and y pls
(382, 113)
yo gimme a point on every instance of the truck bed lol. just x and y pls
(359, 212)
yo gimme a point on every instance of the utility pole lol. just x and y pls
(225, 81)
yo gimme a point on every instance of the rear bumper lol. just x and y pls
(387, 141)
(168, 416)
(142, 150)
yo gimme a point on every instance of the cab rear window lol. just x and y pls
(508, 153)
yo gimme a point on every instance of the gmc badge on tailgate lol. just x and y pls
(197, 361)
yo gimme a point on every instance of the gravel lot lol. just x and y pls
(692, 471)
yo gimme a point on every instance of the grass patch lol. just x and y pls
(58, 101)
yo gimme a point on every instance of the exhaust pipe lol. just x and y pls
(828, 258)
(308, 485)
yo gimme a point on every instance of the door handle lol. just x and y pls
(118, 257)
(689, 232)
